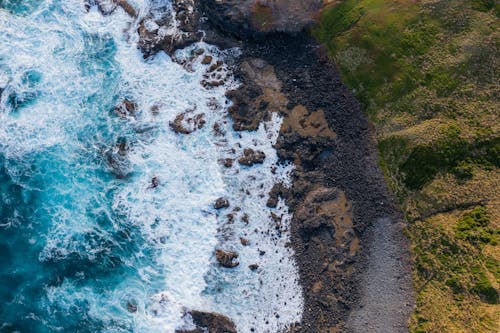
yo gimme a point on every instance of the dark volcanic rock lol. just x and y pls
(221, 203)
(274, 194)
(213, 322)
(184, 32)
(251, 157)
(226, 258)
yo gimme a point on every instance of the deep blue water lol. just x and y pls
(83, 237)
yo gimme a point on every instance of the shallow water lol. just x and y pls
(83, 234)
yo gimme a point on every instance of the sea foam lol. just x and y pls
(102, 243)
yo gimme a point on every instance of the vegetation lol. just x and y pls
(427, 74)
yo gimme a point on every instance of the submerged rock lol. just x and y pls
(226, 258)
(126, 108)
(107, 7)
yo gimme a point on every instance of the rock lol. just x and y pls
(126, 108)
(221, 203)
(107, 7)
(227, 162)
(253, 267)
(274, 195)
(251, 157)
(226, 258)
(244, 241)
(254, 19)
(154, 183)
(186, 124)
(131, 306)
(127, 7)
(213, 322)
(168, 37)
(207, 60)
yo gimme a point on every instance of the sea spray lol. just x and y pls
(87, 251)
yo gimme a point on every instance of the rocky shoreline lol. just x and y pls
(338, 192)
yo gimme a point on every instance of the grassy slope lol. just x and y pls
(427, 73)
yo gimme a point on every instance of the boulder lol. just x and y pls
(226, 258)
(221, 203)
(251, 157)
(213, 322)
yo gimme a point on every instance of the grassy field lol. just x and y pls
(427, 74)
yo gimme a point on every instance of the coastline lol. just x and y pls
(340, 202)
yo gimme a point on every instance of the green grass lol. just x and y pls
(427, 73)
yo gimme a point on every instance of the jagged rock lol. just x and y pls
(213, 322)
(274, 195)
(221, 203)
(126, 108)
(186, 124)
(161, 34)
(251, 157)
(118, 161)
(155, 182)
(226, 258)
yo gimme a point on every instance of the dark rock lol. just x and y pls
(131, 306)
(226, 258)
(213, 322)
(184, 123)
(228, 162)
(274, 195)
(207, 60)
(253, 267)
(155, 182)
(251, 157)
(126, 108)
(244, 241)
(221, 203)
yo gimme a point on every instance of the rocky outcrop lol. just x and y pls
(251, 157)
(226, 258)
(251, 18)
(188, 122)
(221, 203)
(170, 33)
(213, 322)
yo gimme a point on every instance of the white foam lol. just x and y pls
(177, 268)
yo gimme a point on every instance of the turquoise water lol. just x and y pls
(83, 235)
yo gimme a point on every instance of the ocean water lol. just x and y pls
(84, 236)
